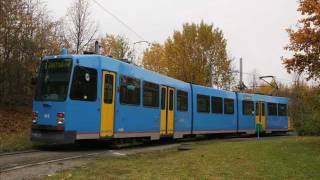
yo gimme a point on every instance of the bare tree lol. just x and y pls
(82, 29)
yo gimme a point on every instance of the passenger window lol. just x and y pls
(150, 94)
(182, 100)
(84, 84)
(203, 103)
(129, 90)
(228, 106)
(163, 98)
(282, 109)
(272, 109)
(216, 105)
(248, 108)
(108, 89)
(257, 109)
(263, 109)
(171, 99)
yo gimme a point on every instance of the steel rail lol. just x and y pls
(18, 152)
(71, 157)
(21, 166)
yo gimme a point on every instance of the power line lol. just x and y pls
(139, 36)
(119, 20)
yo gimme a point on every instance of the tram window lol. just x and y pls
(228, 106)
(272, 109)
(150, 94)
(262, 109)
(108, 89)
(257, 109)
(182, 100)
(247, 108)
(129, 90)
(203, 103)
(84, 84)
(282, 109)
(171, 99)
(54, 78)
(163, 98)
(216, 105)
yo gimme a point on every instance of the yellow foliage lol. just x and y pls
(154, 59)
(197, 54)
(116, 46)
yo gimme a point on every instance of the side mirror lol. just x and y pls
(34, 80)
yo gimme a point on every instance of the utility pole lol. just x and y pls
(97, 47)
(241, 73)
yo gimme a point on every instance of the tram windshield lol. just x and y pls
(53, 81)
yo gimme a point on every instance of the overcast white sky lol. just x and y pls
(254, 29)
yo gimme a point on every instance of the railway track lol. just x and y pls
(18, 152)
(24, 159)
(13, 167)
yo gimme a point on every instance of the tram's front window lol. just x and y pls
(53, 81)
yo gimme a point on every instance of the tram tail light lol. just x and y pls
(60, 118)
(34, 117)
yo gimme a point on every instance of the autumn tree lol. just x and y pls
(154, 59)
(82, 30)
(26, 35)
(197, 54)
(305, 41)
(117, 46)
(304, 108)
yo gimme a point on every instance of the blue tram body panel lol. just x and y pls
(273, 122)
(84, 116)
(82, 119)
(137, 118)
(210, 122)
(47, 111)
(80, 116)
(246, 122)
(277, 122)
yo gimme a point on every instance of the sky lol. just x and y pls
(254, 29)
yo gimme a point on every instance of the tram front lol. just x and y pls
(50, 105)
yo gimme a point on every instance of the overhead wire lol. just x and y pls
(119, 20)
(138, 35)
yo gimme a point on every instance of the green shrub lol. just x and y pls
(304, 109)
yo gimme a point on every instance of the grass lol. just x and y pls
(280, 158)
(15, 142)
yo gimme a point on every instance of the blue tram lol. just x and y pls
(97, 97)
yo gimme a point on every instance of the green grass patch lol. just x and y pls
(15, 142)
(279, 158)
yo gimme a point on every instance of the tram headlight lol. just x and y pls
(60, 118)
(34, 117)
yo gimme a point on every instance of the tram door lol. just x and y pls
(107, 103)
(167, 111)
(260, 114)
